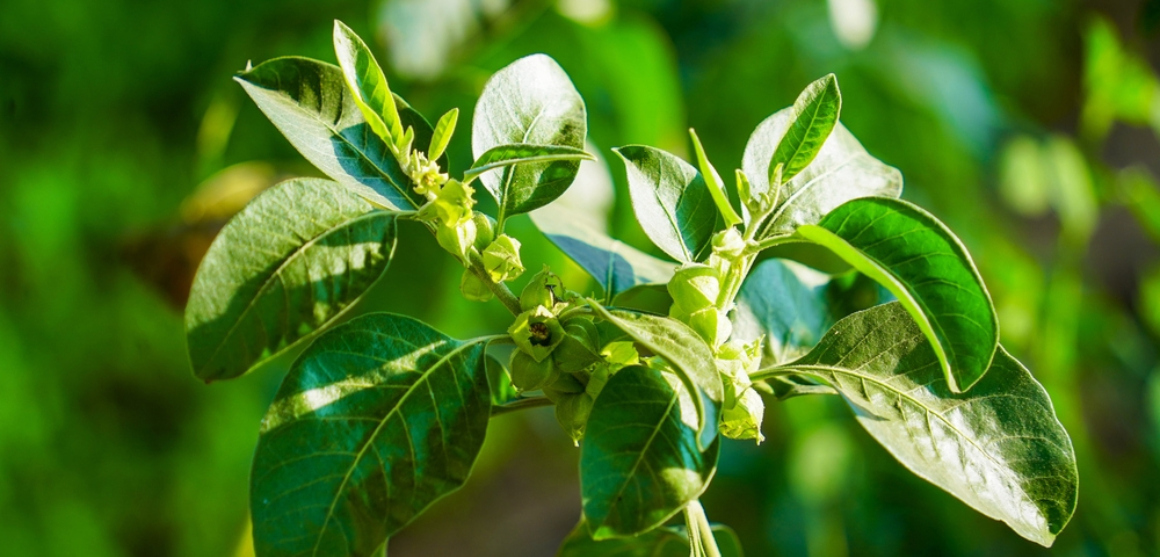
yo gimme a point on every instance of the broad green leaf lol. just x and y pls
(309, 103)
(670, 541)
(671, 201)
(504, 156)
(926, 267)
(714, 182)
(442, 133)
(814, 113)
(841, 171)
(531, 101)
(377, 420)
(283, 269)
(685, 350)
(366, 83)
(615, 265)
(999, 448)
(640, 462)
(785, 302)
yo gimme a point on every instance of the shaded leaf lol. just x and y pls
(926, 267)
(685, 350)
(640, 462)
(841, 171)
(671, 541)
(999, 448)
(671, 201)
(377, 420)
(531, 101)
(504, 156)
(309, 103)
(814, 114)
(615, 265)
(786, 302)
(284, 268)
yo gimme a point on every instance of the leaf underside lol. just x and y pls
(288, 265)
(671, 201)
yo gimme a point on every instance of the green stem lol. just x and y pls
(501, 291)
(701, 539)
(521, 404)
(770, 373)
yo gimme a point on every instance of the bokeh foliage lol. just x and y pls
(1029, 127)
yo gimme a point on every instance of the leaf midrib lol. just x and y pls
(378, 429)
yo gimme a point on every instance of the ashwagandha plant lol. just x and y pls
(383, 414)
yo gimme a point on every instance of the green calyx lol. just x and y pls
(545, 289)
(695, 287)
(473, 288)
(501, 259)
(529, 374)
(743, 410)
(572, 411)
(580, 347)
(537, 332)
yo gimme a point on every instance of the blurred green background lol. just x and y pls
(1029, 126)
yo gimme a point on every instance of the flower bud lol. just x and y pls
(502, 259)
(484, 230)
(542, 290)
(580, 347)
(728, 243)
(473, 288)
(743, 408)
(530, 375)
(453, 203)
(695, 287)
(456, 238)
(572, 412)
(537, 332)
(711, 324)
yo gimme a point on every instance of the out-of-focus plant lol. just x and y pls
(383, 415)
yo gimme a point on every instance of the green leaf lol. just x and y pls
(308, 101)
(714, 182)
(504, 156)
(999, 448)
(366, 83)
(286, 267)
(671, 541)
(617, 266)
(441, 136)
(841, 171)
(531, 101)
(685, 350)
(671, 201)
(814, 113)
(377, 420)
(787, 303)
(424, 133)
(926, 267)
(640, 462)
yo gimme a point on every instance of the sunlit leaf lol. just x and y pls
(927, 268)
(999, 448)
(366, 83)
(640, 462)
(671, 200)
(814, 113)
(504, 156)
(287, 266)
(442, 133)
(309, 103)
(531, 101)
(377, 420)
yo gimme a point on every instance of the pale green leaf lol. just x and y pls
(714, 182)
(285, 267)
(503, 156)
(998, 448)
(366, 83)
(377, 420)
(671, 200)
(442, 134)
(815, 113)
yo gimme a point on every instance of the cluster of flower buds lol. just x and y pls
(743, 408)
(695, 289)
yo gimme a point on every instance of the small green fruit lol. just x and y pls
(473, 288)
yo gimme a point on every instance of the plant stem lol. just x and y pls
(701, 539)
(521, 404)
(501, 291)
(769, 373)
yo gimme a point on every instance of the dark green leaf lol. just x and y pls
(284, 268)
(377, 420)
(671, 201)
(686, 351)
(615, 265)
(640, 462)
(999, 448)
(841, 171)
(367, 84)
(503, 156)
(814, 113)
(671, 541)
(786, 302)
(309, 103)
(531, 101)
(921, 262)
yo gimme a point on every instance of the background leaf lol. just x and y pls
(640, 462)
(308, 102)
(999, 448)
(842, 171)
(671, 541)
(814, 113)
(284, 268)
(671, 201)
(530, 101)
(921, 262)
(503, 156)
(375, 421)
